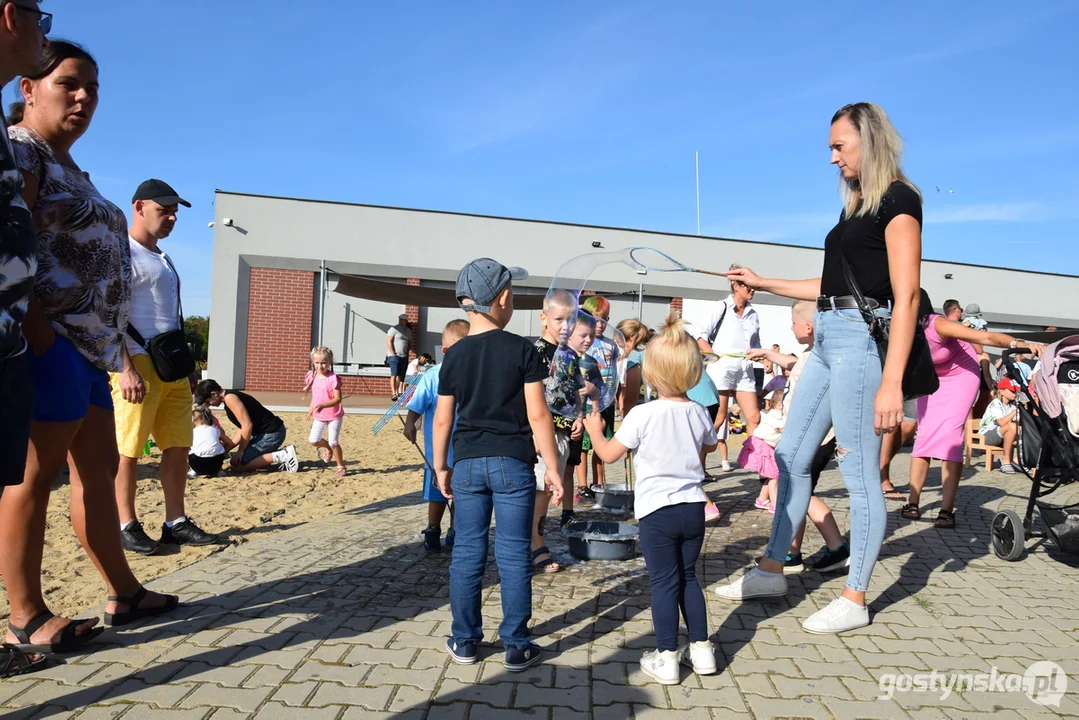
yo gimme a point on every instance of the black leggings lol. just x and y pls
(207, 466)
(671, 540)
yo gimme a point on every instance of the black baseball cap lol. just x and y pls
(160, 192)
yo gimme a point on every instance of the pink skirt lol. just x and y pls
(760, 457)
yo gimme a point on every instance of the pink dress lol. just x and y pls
(942, 416)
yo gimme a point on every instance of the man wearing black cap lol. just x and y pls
(166, 411)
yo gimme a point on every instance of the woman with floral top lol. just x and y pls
(75, 329)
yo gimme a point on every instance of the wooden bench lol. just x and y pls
(974, 441)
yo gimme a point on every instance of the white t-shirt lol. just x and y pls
(402, 336)
(667, 436)
(155, 301)
(735, 334)
(206, 441)
(995, 411)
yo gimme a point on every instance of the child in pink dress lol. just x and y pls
(326, 408)
(759, 451)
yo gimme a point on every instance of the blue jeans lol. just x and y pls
(836, 389)
(671, 540)
(508, 487)
(262, 444)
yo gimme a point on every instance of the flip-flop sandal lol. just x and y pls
(134, 612)
(892, 494)
(549, 565)
(341, 472)
(945, 520)
(911, 512)
(69, 640)
(325, 454)
(762, 505)
(14, 661)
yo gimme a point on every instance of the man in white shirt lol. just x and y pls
(732, 328)
(398, 338)
(166, 411)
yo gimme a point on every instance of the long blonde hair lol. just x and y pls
(673, 364)
(882, 153)
(635, 332)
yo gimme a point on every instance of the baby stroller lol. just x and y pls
(1048, 451)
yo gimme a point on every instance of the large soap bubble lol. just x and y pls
(584, 376)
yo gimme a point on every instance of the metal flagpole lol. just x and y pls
(697, 167)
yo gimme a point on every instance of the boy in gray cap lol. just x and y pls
(493, 383)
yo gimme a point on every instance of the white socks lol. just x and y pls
(177, 521)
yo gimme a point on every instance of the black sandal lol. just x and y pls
(911, 512)
(134, 612)
(14, 661)
(550, 565)
(69, 640)
(945, 520)
(891, 493)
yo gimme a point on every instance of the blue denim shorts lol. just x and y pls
(262, 444)
(66, 384)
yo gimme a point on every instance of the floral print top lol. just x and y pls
(18, 252)
(83, 276)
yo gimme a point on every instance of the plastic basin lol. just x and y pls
(598, 540)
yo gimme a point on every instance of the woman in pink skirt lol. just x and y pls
(942, 416)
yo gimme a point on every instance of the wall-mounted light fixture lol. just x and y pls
(597, 244)
(947, 276)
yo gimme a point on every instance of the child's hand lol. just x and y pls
(593, 423)
(409, 431)
(577, 430)
(443, 478)
(553, 485)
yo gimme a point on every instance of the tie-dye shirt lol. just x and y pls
(83, 276)
(18, 251)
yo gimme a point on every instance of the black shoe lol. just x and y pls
(186, 533)
(567, 518)
(520, 659)
(135, 539)
(463, 653)
(793, 564)
(833, 559)
(430, 539)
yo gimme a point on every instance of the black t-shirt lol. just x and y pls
(263, 421)
(486, 375)
(546, 352)
(861, 241)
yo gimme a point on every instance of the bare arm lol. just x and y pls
(632, 389)
(409, 431)
(781, 359)
(389, 346)
(903, 238)
(243, 436)
(608, 451)
(542, 424)
(948, 329)
(795, 289)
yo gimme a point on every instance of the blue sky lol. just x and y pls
(591, 112)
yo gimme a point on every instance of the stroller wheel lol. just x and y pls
(1009, 535)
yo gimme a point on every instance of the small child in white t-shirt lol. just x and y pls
(667, 436)
(209, 446)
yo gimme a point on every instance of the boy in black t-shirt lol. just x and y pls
(493, 382)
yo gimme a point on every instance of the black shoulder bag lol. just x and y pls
(169, 352)
(715, 331)
(920, 376)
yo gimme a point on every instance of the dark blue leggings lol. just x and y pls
(671, 540)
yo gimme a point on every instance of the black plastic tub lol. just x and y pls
(614, 497)
(597, 540)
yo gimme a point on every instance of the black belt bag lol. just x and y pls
(169, 352)
(920, 375)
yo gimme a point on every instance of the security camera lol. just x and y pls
(228, 222)
(597, 244)
(210, 224)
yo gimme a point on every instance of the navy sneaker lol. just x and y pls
(462, 653)
(833, 559)
(793, 564)
(450, 537)
(431, 542)
(520, 659)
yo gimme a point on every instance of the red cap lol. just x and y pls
(1006, 383)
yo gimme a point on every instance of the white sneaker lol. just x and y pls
(754, 584)
(289, 463)
(192, 474)
(725, 466)
(701, 656)
(661, 666)
(840, 615)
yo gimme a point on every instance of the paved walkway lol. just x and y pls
(346, 618)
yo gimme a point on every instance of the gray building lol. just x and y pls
(270, 305)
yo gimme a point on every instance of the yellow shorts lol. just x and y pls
(165, 413)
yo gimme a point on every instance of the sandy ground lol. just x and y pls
(380, 466)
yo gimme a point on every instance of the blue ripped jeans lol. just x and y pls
(837, 389)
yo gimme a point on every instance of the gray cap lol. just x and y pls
(482, 280)
(973, 310)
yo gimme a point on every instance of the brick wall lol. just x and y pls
(279, 329)
(676, 306)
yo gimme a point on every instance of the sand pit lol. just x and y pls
(241, 507)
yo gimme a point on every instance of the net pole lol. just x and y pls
(697, 168)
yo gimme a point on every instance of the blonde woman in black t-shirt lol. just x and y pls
(879, 235)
